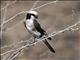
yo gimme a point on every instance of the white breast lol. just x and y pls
(31, 28)
(29, 24)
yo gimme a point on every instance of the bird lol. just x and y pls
(35, 29)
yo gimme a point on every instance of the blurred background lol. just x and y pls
(52, 17)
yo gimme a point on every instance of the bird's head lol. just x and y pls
(32, 14)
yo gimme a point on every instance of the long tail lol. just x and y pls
(49, 46)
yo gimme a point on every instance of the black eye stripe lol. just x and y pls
(29, 16)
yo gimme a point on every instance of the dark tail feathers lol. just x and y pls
(49, 46)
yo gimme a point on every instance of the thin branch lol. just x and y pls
(8, 5)
(14, 17)
(4, 17)
(50, 35)
(39, 40)
(23, 20)
(17, 51)
(26, 11)
(45, 4)
(5, 12)
(15, 54)
(15, 25)
(34, 4)
(5, 6)
(6, 46)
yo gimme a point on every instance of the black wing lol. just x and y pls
(38, 27)
(49, 46)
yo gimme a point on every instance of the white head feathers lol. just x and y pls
(33, 12)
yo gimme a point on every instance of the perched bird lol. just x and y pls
(33, 27)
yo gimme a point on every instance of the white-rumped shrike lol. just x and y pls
(35, 29)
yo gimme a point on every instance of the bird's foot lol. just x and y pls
(48, 37)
